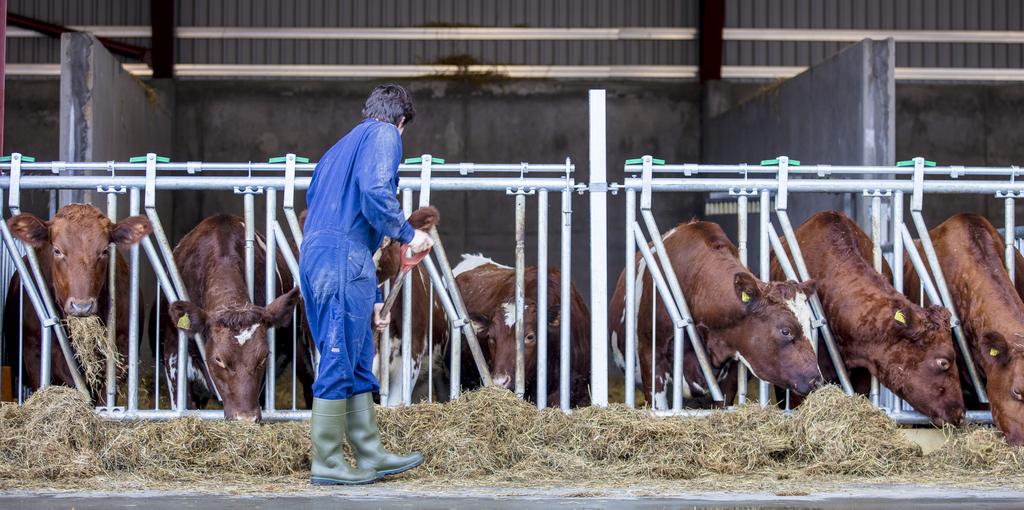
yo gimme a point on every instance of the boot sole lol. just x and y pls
(400, 470)
(328, 481)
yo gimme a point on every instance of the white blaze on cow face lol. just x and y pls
(801, 308)
(247, 333)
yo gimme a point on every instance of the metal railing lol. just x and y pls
(143, 179)
(772, 180)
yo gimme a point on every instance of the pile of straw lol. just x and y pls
(489, 436)
(93, 346)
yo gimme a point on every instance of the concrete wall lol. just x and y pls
(841, 111)
(105, 113)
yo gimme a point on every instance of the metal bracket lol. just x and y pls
(690, 169)
(14, 188)
(824, 170)
(818, 323)
(49, 323)
(646, 176)
(598, 187)
(782, 195)
(520, 191)
(248, 190)
(193, 167)
(110, 410)
(955, 172)
(465, 168)
(878, 193)
(120, 190)
(743, 192)
(57, 167)
(1010, 194)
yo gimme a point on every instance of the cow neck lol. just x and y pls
(224, 287)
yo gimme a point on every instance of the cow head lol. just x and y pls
(1003, 365)
(75, 243)
(772, 336)
(236, 348)
(497, 335)
(920, 365)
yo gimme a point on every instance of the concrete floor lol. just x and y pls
(865, 498)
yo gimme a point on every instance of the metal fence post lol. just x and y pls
(598, 252)
(520, 294)
(629, 308)
(134, 312)
(565, 287)
(270, 274)
(542, 298)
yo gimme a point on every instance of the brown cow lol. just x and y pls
(388, 265)
(970, 251)
(488, 289)
(907, 347)
(72, 252)
(211, 259)
(764, 325)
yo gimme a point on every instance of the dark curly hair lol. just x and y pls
(389, 103)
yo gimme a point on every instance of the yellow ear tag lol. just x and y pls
(900, 317)
(993, 352)
(184, 322)
(744, 297)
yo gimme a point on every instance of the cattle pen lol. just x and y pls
(757, 429)
(770, 186)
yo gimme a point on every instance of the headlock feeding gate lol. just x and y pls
(770, 186)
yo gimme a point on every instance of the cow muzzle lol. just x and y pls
(503, 381)
(247, 417)
(80, 307)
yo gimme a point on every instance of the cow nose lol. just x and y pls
(503, 381)
(816, 383)
(81, 307)
(252, 417)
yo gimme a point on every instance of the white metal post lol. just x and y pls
(598, 252)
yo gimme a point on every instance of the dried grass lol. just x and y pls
(488, 437)
(93, 347)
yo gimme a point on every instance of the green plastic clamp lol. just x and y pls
(774, 162)
(910, 162)
(26, 159)
(413, 161)
(282, 159)
(640, 161)
(142, 159)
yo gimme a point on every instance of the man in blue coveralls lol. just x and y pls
(351, 207)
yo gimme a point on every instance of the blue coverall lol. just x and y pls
(351, 207)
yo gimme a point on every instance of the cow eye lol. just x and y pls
(531, 338)
(57, 253)
(103, 254)
(787, 333)
(220, 362)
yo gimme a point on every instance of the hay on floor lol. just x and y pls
(490, 436)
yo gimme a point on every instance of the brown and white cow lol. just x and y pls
(211, 259)
(388, 263)
(73, 257)
(488, 289)
(970, 252)
(764, 325)
(907, 347)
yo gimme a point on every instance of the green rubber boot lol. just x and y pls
(327, 431)
(364, 437)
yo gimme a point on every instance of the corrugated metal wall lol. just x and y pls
(876, 14)
(806, 14)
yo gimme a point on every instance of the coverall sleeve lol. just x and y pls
(380, 295)
(375, 167)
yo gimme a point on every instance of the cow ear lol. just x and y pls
(278, 313)
(808, 287)
(130, 230)
(480, 323)
(30, 229)
(748, 289)
(188, 317)
(719, 350)
(994, 348)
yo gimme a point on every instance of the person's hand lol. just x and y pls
(380, 323)
(421, 242)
